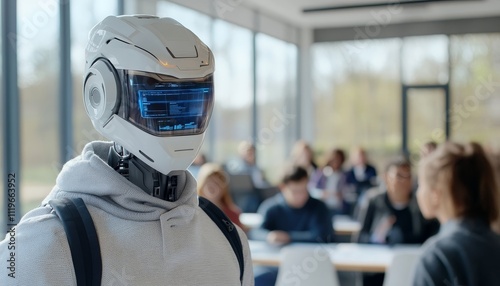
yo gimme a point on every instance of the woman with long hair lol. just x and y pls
(213, 184)
(457, 186)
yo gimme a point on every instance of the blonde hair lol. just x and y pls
(464, 171)
(244, 147)
(221, 182)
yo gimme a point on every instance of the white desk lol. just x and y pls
(343, 225)
(251, 220)
(344, 256)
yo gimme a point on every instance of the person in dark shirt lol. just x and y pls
(360, 178)
(392, 216)
(291, 216)
(457, 186)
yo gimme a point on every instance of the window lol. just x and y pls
(426, 118)
(276, 103)
(38, 67)
(475, 88)
(81, 24)
(2, 162)
(231, 121)
(425, 60)
(198, 23)
(357, 97)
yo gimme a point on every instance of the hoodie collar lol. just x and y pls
(89, 176)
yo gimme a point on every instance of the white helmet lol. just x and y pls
(149, 88)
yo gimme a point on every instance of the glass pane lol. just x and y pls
(232, 117)
(426, 118)
(357, 97)
(38, 66)
(425, 60)
(475, 89)
(2, 162)
(276, 97)
(81, 24)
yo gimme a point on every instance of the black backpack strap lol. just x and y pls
(82, 239)
(227, 228)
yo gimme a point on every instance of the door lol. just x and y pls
(425, 117)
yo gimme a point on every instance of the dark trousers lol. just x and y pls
(373, 279)
(265, 275)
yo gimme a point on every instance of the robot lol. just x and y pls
(126, 212)
(152, 95)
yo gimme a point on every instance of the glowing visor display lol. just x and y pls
(168, 107)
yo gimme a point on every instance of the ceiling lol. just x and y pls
(291, 11)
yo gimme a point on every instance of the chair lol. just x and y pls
(306, 266)
(401, 269)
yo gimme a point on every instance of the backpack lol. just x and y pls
(84, 244)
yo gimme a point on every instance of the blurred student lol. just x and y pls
(362, 176)
(457, 186)
(246, 164)
(291, 216)
(302, 155)
(391, 215)
(248, 178)
(213, 185)
(329, 183)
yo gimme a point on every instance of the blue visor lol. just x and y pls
(166, 106)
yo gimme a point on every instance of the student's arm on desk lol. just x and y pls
(267, 224)
(275, 237)
(259, 234)
(295, 236)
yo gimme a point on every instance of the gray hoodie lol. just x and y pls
(144, 240)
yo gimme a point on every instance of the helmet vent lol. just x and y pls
(179, 50)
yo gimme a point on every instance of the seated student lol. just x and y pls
(362, 176)
(213, 185)
(457, 186)
(248, 198)
(291, 216)
(303, 155)
(246, 164)
(392, 215)
(329, 184)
